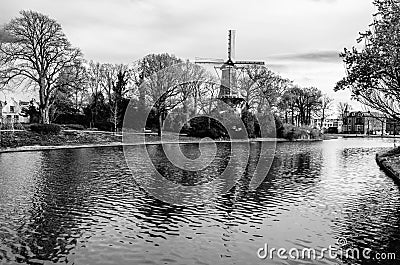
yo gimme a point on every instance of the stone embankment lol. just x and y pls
(389, 162)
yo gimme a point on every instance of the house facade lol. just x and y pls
(359, 122)
(392, 126)
(10, 111)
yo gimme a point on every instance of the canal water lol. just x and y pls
(84, 206)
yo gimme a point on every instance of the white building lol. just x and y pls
(10, 111)
(329, 124)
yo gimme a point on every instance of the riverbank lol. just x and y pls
(369, 136)
(18, 139)
(117, 144)
(389, 162)
(25, 141)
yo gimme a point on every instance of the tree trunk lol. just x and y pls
(185, 110)
(94, 115)
(115, 117)
(292, 109)
(44, 103)
(195, 101)
(76, 100)
(160, 123)
(44, 115)
(322, 119)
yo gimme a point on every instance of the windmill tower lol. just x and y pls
(228, 88)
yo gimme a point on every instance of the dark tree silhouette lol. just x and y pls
(373, 72)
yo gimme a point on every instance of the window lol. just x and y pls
(16, 117)
(12, 109)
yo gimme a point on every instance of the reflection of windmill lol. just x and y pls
(228, 89)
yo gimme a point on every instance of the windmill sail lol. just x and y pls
(199, 60)
(250, 62)
(231, 45)
(228, 89)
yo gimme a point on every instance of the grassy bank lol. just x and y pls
(29, 138)
(66, 137)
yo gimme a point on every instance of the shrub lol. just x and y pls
(45, 128)
(315, 134)
(205, 127)
(292, 132)
(71, 118)
(104, 126)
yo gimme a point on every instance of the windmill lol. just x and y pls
(228, 87)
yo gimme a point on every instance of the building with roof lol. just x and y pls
(329, 125)
(11, 111)
(364, 122)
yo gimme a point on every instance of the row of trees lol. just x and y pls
(300, 105)
(36, 54)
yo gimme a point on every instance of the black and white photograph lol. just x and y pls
(149, 132)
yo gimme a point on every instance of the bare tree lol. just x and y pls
(157, 86)
(94, 73)
(114, 81)
(342, 108)
(34, 52)
(304, 102)
(165, 91)
(109, 74)
(74, 80)
(326, 105)
(206, 95)
(261, 88)
(70, 90)
(192, 80)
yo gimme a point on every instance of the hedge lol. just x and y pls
(45, 128)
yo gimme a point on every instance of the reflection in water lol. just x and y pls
(84, 206)
(186, 177)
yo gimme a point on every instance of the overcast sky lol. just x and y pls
(300, 39)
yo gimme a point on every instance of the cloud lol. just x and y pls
(305, 35)
(278, 67)
(318, 56)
